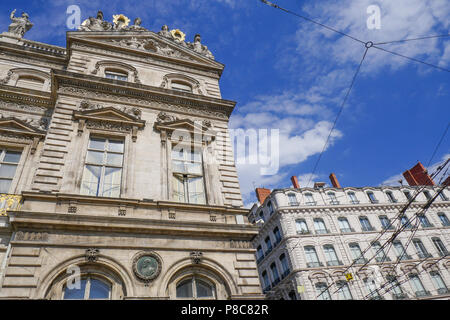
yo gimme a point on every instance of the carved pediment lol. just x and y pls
(108, 118)
(16, 129)
(170, 124)
(146, 42)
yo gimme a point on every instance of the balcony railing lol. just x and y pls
(9, 202)
(422, 293)
(334, 263)
(399, 296)
(347, 230)
(285, 273)
(314, 264)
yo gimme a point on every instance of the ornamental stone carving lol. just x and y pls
(196, 257)
(96, 24)
(164, 117)
(19, 25)
(147, 266)
(199, 48)
(31, 236)
(132, 111)
(92, 254)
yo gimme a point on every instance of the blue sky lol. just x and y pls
(291, 75)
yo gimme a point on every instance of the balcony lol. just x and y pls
(422, 293)
(9, 202)
(285, 273)
(314, 264)
(334, 263)
(424, 255)
(347, 230)
(303, 232)
(399, 296)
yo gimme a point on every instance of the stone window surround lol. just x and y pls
(14, 74)
(101, 67)
(18, 147)
(178, 77)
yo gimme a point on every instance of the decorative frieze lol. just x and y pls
(31, 236)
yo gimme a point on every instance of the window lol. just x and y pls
(30, 82)
(266, 281)
(270, 207)
(438, 282)
(380, 255)
(268, 245)
(424, 222)
(187, 168)
(195, 288)
(365, 224)
(357, 254)
(443, 196)
(319, 226)
(420, 248)
(400, 251)
(330, 256)
(440, 246)
(261, 215)
(181, 86)
(344, 225)
(407, 195)
(103, 168)
(309, 199)
(90, 289)
(417, 285)
(312, 260)
(353, 198)
(427, 194)
(397, 291)
(343, 291)
(404, 220)
(116, 75)
(372, 197)
(333, 199)
(284, 265)
(391, 197)
(302, 227)
(275, 275)
(277, 234)
(371, 288)
(386, 223)
(8, 164)
(444, 220)
(259, 253)
(292, 199)
(322, 291)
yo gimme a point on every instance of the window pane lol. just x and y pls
(99, 290)
(7, 170)
(196, 190)
(184, 289)
(12, 156)
(75, 294)
(111, 184)
(115, 146)
(204, 290)
(178, 188)
(181, 87)
(96, 143)
(113, 159)
(91, 180)
(5, 184)
(95, 157)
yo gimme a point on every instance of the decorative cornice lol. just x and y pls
(24, 96)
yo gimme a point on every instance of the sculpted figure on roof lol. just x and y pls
(19, 25)
(96, 24)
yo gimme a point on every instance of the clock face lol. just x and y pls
(147, 266)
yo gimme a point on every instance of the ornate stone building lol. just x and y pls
(309, 237)
(116, 169)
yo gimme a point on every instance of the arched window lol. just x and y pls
(116, 74)
(421, 250)
(417, 285)
(380, 255)
(427, 194)
(440, 246)
(312, 260)
(331, 256)
(386, 223)
(400, 251)
(270, 207)
(444, 220)
(309, 199)
(292, 199)
(365, 224)
(352, 197)
(284, 266)
(277, 234)
(344, 225)
(438, 282)
(195, 288)
(319, 226)
(343, 291)
(391, 197)
(332, 197)
(357, 254)
(322, 291)
(89, 288)
(275, 274)
(372, 197)
(302, 227)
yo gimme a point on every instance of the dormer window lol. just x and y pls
(181, 86)
(116, 75)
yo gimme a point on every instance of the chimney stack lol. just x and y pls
(262, 194)
(418, 176)
(334, 181)
(295, 183)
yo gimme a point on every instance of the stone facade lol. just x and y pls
(307, 226)
(142, 89)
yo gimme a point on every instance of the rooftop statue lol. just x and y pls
(19, 25)
(137, 25)
(165, 32)
(199, 48)
(95, 24)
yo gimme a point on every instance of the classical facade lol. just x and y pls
(309, 237)
(117, 178)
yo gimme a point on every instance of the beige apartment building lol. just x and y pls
(309, 237)
(117, 178)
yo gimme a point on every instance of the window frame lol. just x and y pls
(88, 287)
(18, 166)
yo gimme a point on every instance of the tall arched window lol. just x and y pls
(332, 198)
(319, 226)
(89, 288)
(352, 198)
(195, 288)
(312, 260)
(302, 227)
(344, 225)
(357, 254)
(331, 256)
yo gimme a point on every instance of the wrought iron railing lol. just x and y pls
(9, 202)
